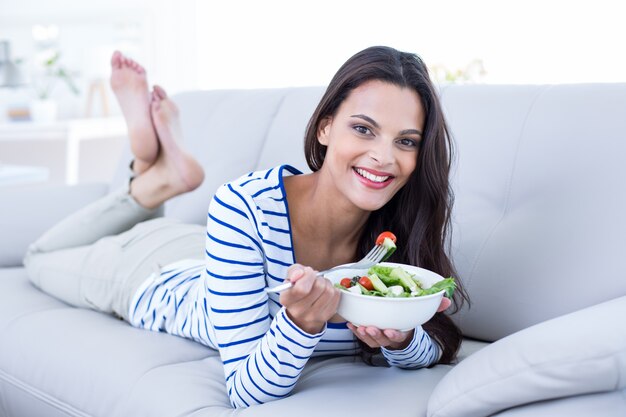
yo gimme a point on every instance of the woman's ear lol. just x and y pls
(323, 130)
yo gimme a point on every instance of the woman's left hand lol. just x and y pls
(389, 338)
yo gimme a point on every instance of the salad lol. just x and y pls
(388, 281)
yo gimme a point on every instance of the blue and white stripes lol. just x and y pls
(222, 302)
(421, 352)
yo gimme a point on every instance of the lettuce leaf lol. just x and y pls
(384, 272)
(448, 285)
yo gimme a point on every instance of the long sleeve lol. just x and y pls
(421, 352)
(263, 356)
(223, 304)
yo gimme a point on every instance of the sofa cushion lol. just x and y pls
(225, 130)
(22, 219)
(579, 353)
(604, 404)
(85, 362)
(284, 143)
(60, 360)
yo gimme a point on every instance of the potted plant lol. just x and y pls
(44, 109)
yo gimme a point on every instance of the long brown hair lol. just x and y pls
(419, 213)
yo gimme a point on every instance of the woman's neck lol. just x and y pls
(322, 219)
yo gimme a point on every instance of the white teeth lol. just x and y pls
(371, 177)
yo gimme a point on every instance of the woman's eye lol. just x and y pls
(362, 130)
(408, 142)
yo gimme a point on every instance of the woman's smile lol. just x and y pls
(372, 178)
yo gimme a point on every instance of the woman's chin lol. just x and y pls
(370, 204)
(371, 199)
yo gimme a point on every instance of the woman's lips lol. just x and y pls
(375, 177)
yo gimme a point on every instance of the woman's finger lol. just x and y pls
(328, 300)
(378, 336)
(301, 299)
(303, 280)
(445, 303)
(395, 335)
(360, 333)
(294, 273)
(365, 337)
(375, 336)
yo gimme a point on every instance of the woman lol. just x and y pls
(380, 154)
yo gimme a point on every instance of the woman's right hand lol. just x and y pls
(311, 301)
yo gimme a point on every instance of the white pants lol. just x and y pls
(97, 257)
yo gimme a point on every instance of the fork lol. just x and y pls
(373, 257)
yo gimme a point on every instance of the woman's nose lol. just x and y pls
(382, 151)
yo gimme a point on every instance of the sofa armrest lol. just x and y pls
(579, 353)
(27, 212)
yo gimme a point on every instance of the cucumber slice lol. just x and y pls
(405, 279)
(390, 246)
(378, 284)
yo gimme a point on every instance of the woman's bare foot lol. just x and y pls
(129, 83)
(175, 171)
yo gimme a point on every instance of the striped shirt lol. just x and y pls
(222, 302)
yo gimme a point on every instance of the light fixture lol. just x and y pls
(10, 74)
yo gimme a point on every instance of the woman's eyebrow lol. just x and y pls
(411, 132)
(367, 119)
(377, 126)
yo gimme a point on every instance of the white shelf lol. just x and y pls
(72, 132)
(85, 129)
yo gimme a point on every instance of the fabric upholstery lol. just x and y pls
(82, 363)
(538, 220)
(579, 353)
(538, 233)
(25, 212)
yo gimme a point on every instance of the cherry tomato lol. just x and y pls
(346, 282)
(365, 281)
(381, 237)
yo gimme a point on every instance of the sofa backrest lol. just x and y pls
(539, 225)
(538, 229)
(233, 132)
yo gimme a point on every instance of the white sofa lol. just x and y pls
(539, 239)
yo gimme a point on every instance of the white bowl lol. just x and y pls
(403, 313)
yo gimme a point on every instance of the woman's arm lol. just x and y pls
(262, 356)
(422, 351)
(411, 350)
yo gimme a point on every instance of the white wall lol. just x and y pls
(189, 44)
(283, 42)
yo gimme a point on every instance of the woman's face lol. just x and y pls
(373, 141)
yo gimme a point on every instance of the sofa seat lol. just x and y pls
(48, 346)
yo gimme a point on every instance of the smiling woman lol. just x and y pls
(380, 118)
(380, 154)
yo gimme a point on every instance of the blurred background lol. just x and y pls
(58, 114)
